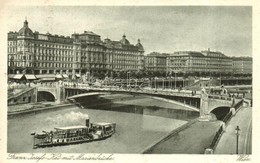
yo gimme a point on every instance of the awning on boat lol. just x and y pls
(58, 76)
(65, 75)
(70, 127)
(30, 77)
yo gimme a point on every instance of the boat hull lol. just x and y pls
(43, 145)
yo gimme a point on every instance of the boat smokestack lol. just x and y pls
(87, 122)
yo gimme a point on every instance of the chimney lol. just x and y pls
(208, 49)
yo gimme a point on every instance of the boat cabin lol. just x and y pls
(71, 131)
(104, 127)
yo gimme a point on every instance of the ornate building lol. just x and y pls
(123, 56)
(156, 62)
(47, 55)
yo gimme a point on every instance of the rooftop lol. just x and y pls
(102, 124)
(189, 53)
(70, 127)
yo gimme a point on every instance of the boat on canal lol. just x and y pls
(73, 134)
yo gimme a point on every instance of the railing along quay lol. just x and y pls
(221, 130)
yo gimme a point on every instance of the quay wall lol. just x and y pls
(37, 110)
(148, 149)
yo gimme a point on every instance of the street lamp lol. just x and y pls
(237, 133)
(155, 80)
(175, 80)
(163, 83)
(220, 78)
(127, 79)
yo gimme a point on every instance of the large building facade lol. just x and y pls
(208, 63)
(86, 54)
(242, 65)
(81, 54)
(156, 62)
(186, 62)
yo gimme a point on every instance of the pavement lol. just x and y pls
(227, 142)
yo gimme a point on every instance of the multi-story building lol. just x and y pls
(36, 53)
(218, 62)
(242, 65)
(124, 56)
(47, 55)
(156, 62)
(186, 62)
(205, 62)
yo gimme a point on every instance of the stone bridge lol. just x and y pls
(205, 104)
(52, 93)
(218, 105)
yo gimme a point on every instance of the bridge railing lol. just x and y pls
(238, 105)
(183, 93)
(20, 93)
(216, 137)
(226, 119)
(219, 97)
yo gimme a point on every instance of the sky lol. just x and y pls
(164, 29)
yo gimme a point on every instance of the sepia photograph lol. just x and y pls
(143, 80)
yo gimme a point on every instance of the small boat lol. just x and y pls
(73, 134)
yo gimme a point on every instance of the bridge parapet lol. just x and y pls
(207, 104)
(219, 97)
(27, 96)
(181, 93)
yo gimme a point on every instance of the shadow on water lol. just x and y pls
(101, 103)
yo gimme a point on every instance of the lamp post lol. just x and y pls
(155, 83)
(163, 83)
(127, 79)
(171, 81)
(237, 133)
(175, 80)
(220, 78)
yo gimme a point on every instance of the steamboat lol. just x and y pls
(73, 134)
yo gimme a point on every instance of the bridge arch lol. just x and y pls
(220, 112)
(45, 96)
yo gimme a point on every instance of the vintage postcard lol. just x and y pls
(141, 81)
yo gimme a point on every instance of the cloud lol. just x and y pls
(160, 28)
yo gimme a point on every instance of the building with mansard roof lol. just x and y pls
(156, 62)
(204, 62)
(70, 57)
(124, 56)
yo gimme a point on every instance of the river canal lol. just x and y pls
(140, 122)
